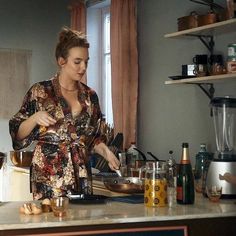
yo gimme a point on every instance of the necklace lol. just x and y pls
(69, 90)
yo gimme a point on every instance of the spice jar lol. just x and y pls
(216, 64)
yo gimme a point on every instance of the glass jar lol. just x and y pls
(155, 193)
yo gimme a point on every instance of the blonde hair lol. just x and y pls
(68, 39)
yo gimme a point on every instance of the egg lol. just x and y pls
(36, 210)
(30, 209)
(46, 201)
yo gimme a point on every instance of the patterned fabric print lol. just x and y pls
(60, 161)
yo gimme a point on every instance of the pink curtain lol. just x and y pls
(78, 15)
(78, 19)
(124, 67)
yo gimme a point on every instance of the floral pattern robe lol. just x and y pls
(61, 157)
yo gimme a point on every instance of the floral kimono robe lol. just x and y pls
(60, 160)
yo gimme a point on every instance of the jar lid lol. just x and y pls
(231, 58)
(223, 101)
(232, 45)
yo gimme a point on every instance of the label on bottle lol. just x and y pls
(185, 161)
(180, 193)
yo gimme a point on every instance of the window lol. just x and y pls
(99, 69)
(106, 60)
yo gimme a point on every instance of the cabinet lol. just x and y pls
(16, 184)
(206, 31)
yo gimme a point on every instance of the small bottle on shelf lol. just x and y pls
(185, 179)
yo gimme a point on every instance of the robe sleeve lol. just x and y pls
(27, 109)
(98, 121)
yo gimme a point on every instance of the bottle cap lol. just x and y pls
(185, 154)
(184, 145)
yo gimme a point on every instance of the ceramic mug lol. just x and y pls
(200, 59)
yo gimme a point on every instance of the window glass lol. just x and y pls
(99, 68)
(106, 85)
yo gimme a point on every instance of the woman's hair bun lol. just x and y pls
(68, 39)
(65, 34)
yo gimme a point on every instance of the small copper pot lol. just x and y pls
(207, 19)
(188, 22)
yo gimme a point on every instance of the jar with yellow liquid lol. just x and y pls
(155, 192)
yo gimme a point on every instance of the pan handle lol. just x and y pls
(141, 153)
(156, 158)
(153, 156)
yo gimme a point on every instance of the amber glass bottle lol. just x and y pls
(185, 179)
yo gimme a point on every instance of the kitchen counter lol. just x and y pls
(118, 217)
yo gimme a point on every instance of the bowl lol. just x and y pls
(2, 157)
(214, 193)
(21, 158)
(59, 206)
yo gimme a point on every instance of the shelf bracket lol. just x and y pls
(207, 40)
(209, 44)
(207, 88)
(209, 91)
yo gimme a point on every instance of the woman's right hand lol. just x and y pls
(43, 118)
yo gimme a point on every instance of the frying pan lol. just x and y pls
(130, 184)
(124, 184)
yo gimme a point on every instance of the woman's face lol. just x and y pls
(75, 65)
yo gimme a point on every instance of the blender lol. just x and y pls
(221, 171)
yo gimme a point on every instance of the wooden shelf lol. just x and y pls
(202, 80)
(206, 29)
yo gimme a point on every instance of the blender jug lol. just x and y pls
(223, 165)
(224, 116)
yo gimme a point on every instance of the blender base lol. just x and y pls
(215, 176)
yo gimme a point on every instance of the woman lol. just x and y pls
(63, 115)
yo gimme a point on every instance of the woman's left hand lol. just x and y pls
(104, 151)
(113, 162)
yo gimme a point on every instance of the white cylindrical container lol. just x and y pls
(232, 51)
(231, 66)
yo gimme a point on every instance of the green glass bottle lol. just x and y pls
(201, 159)
(185, 178)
